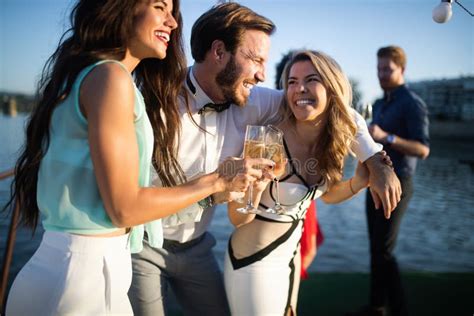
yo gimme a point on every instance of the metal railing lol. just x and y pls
(9, 247)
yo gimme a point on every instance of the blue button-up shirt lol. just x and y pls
(403, 113)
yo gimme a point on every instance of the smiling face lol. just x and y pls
(246, 68)
(152, 25)
(306, 95)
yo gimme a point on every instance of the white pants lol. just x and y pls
(74, 275)
(264, 285)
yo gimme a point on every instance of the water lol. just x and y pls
(436, 233)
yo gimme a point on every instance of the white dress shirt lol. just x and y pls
(221, 136)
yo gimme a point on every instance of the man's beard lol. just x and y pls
(227, 79)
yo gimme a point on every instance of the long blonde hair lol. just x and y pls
(334, 142)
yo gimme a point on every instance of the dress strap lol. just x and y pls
(293, 170)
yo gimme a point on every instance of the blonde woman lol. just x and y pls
(262, 263)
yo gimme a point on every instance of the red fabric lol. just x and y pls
(310, 228)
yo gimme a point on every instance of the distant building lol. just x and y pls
(9, 106)
(12, 103)
(448, 99)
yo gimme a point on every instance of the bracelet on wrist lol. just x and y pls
(350, 187)
(390, 139)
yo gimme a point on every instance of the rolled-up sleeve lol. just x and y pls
(417, 122)
(363, 145)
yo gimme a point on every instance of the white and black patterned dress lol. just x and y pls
(262, 263)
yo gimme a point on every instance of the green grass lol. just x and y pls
(428, 294)
(328, 294)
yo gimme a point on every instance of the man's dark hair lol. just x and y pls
(226, 22)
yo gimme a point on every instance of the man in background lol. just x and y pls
(400, 122)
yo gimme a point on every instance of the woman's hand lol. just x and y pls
(236, 174)
(260, 184)
(268, 175)
(386, 159)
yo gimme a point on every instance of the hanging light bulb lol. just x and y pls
(443, 11)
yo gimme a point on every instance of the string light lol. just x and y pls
(443, 12)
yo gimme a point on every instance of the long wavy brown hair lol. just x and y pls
(101, 29)
(335, 139)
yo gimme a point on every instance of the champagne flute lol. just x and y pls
(254, 147)
(274, 152)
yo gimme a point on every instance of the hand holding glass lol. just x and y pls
(254, 147)
(274, 152)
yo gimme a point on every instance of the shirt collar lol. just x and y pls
(395, 93)
(199, 97)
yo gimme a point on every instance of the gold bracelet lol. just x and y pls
(350, 187)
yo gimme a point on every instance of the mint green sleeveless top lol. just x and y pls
(68, 196)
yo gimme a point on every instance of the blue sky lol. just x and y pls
(351, 31)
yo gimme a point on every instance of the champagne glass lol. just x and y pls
(254, 147)
(274, 152)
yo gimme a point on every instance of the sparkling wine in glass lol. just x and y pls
(254, 147)
(274, 152)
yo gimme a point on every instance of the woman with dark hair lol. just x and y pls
(85, 167)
